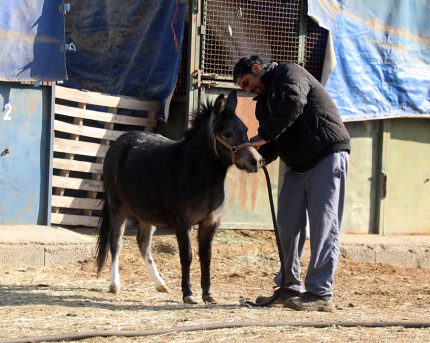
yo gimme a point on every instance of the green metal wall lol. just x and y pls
(362, 185)
(405, 204)
(388, 189)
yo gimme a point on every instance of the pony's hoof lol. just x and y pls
(162, 289)
(208, 299)
(190, 300)
(114, 289)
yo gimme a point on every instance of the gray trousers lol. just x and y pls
(316, 196)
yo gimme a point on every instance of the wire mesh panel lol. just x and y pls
(270, 29)
(234, 29)
(316, 41)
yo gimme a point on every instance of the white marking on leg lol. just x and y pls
(115, 284)
(154, 275)
(118, 220)
(144, 239)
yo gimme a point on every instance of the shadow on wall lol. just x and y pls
(48, 45)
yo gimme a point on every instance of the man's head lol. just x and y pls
(247, 73)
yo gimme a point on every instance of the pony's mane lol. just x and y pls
(200, 118)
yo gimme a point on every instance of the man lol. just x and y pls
(299, 122)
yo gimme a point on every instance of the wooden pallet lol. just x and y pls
(85, 124)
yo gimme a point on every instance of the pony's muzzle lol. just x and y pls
(257, 163)
(251, 160)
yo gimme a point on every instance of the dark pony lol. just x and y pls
(173, 184)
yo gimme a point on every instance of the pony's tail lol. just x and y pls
(104, 228)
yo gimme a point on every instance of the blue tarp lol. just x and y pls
(32, 40)
(123, 47)
(382, 56)
(127, 47)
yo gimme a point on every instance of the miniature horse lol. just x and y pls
(176, 185)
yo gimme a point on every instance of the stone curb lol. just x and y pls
(39, 246)
(411, 255)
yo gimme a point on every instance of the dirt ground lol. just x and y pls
(57, 300)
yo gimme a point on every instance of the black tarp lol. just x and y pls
(127, 47)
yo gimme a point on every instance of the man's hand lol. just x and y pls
(257, 142)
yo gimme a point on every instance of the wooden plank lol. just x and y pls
(40, 83)
(92, 194)
(106, 100)
(87, 131)
(60, 191)
(104, 116)
(75, 183)
(73, 219)
(80, 148)
(79, 203)
(151, 116)
(80, 166)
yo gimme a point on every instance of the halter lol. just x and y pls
(233, 148)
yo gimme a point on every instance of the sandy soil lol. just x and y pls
(57, 300)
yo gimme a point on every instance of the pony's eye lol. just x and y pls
(227, 135)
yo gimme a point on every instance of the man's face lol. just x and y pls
(251, 83)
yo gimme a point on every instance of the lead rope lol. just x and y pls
(276, 295)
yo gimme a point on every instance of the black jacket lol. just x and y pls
(298, 118)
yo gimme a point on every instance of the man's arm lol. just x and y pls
(269, 152)
(257, 141)
(291, 102)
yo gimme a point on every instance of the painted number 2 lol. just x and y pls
(8, 108)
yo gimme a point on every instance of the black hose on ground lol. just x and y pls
(213, 326)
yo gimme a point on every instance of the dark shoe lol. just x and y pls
(280, 298)
(310, 302)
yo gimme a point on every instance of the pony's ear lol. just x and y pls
(219, 104)
(231, 102)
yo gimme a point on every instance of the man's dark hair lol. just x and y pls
(244, 66)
